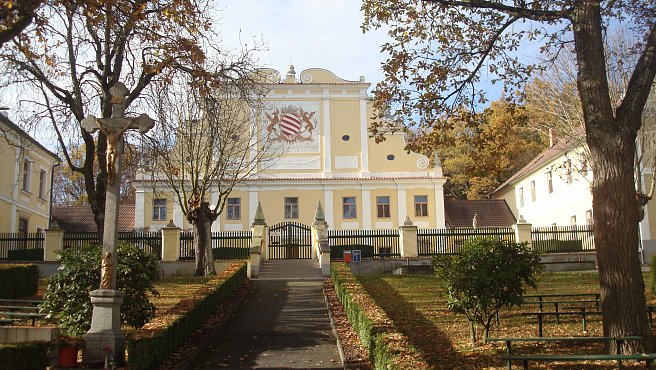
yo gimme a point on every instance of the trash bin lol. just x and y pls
(347, 256)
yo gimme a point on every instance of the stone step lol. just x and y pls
(298, 269)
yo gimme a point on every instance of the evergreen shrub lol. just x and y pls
(18, 281)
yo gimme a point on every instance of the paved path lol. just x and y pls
(282, 323)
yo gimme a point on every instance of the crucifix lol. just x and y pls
(105, 332)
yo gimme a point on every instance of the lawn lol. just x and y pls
(416, 305)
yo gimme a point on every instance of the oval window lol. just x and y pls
(346, 138)
(390, 157)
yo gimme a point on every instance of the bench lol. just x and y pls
(16, 316)
(509, 357)
(12, 310)
(548, 298)
(582, 312)
(566, 305)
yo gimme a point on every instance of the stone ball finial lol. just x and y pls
(290, 71)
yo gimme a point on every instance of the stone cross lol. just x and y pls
(105, 332)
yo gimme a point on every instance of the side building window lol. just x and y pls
(549, 182)
(383, 207)
(43, 180)
(349, 207)
(588, 217)
(533, 197)
(234, 209)
(159, 209)
(521, 197)
(27, 174)
(421, 205)
(291, 207)
(22, 225)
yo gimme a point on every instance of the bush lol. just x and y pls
(652, 273)
(486, 275)
(24, 356)
(18, 281)
(148, 346)
(67, 295)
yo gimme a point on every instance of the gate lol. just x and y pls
(290, 240)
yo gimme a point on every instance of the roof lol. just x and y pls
(6, 121)
(549, 154)
(488, 212)
(80, 218)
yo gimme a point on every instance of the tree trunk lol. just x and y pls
(202, 218)
(612, 149)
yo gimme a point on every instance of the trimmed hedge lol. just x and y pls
(18, 281)
(150, 345)
(388, 348)
(24, 356)
(25, 255)
(557, 246)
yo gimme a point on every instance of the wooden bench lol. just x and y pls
(541, 299)
(581, 312)
(12, 310)
(509, 357)
(16, 316)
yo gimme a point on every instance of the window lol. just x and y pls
(568, 171)
(27, 169)
(383, 207)
(584, 168)
(572, 220)
(42, 184)
(234, 209)
(159, 209)
(521, 197)
(421, 205)
(348, 207)
(588, 217)
(22, 225)
(549, 183)
(291, 207)
(533, 198)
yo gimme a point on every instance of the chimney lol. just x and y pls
(552, 137)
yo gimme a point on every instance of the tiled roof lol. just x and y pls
(489, 213)
(80, 218)
(560, 147)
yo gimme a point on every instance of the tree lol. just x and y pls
(486, 276)
(67, 63)
(15, 16)
(487, 148)
(207, 142)
(441, 48)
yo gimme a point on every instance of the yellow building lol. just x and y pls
(25, 186)
(323, 122)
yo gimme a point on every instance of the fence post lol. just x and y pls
(523, 232)
(54, 241)
(259, 243)
(320, 246)
(408, 239)
(170, 242)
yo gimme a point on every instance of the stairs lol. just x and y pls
(290, 269)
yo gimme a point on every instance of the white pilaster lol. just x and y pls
(216, 225)
(402, 205)
(178, 216)
(440, 218)
(326, 139)
(253, 198)
(366, 209)
(364, 138)
(329, 212)
(139, 211)
(15, 193)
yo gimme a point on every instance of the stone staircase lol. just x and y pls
(290, 269)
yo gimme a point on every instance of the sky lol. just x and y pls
(310, 33)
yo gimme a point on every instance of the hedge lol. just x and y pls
(388, 348)
(18, 281)
(24, 356)
(150, 345)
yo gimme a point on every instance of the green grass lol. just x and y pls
(416, 305)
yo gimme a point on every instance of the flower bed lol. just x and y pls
(150, 345)
(387, 347)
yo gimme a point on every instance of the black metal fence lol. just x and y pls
(21, 246)
(371, 243)
(431, 242)
(556, 239)
(225, 244)
(147, 241)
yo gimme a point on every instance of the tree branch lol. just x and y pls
(519, 12)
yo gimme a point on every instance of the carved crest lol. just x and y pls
(291, 124)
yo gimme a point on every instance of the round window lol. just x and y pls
(390, 157)
(346, 138)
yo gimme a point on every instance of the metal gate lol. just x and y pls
(290, 240)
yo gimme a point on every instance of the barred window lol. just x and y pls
(159, 209)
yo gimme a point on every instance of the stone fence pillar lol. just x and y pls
(170, 243)
(408, 239)
(54, 241)
(523, 232)
(320, 246)
(259, 243)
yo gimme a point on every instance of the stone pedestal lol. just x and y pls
(105, 333)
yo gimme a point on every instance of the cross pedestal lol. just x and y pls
(105, 337)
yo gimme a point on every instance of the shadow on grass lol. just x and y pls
(425, 335)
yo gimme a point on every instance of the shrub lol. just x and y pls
(18, 281)
(652, 273)
(486, 275)
(24, 356)
(67, 295)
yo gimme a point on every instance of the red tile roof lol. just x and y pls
(489, 213)
(80, 218)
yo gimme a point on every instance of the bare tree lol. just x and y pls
(207, 141)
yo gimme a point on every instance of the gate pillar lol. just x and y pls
(258, 250)
(320, 246)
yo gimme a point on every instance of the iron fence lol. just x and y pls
(225, 244)
(21, 246)
(371, 243)
(147, 241)
(432, 242)
(556, 239)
